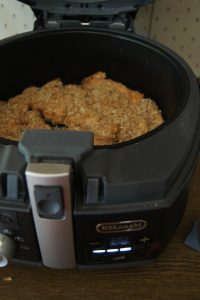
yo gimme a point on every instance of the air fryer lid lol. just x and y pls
(115, 14)
(88, 7)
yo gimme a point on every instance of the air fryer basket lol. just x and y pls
(37, 57)
(34, 59)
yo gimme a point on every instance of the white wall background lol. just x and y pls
(175, 23)
(15, 18)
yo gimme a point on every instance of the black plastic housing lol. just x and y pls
(145, 178)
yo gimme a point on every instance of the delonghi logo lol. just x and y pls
(123, 226)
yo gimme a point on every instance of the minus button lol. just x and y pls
(98, 251)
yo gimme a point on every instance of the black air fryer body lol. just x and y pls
(128, 198)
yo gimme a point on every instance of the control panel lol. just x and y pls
(17, 237)
(120, 249)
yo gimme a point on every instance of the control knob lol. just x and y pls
(7, 249)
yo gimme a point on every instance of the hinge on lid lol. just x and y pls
(123, 21)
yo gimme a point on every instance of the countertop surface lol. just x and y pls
(174, 275)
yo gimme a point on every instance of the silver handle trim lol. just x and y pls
(55, 236)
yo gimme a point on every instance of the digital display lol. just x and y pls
(119, 241)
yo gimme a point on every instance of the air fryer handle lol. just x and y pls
(58, 145)
(51, 158)
(49, 188)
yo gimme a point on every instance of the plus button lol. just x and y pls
(144, 240)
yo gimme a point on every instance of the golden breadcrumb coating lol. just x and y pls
(108, 108)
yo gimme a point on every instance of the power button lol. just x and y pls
(49, 201)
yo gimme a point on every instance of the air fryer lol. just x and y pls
(143, 182)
